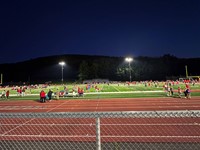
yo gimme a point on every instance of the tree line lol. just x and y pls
(83, 67)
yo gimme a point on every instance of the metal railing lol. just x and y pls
(101, 130)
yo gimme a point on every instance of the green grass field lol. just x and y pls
(106, 91)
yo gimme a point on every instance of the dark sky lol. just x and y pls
(31, 29)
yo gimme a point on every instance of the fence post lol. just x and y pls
(98, 136)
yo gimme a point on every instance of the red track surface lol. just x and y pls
(96, 105)
(112, 129)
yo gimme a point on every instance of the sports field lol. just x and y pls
(67, 122)
(115, 90)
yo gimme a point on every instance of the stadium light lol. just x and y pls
(62, 63)
(129, 60)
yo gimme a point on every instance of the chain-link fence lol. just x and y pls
(101, 130)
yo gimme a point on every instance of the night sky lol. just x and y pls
(31, 29)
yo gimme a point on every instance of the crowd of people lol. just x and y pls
(47, 94)
(76, 92)
(168, 87)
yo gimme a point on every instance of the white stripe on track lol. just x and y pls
(108, 136)
(149, 124)
(20, 125)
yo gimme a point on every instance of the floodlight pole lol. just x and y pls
(62, 74)
(129, 63)
(186, 71)
(129, 59)
(62, 68)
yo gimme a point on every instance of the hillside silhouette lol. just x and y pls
(81, 67)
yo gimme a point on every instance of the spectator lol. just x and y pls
(42, 96)
(74, 93)
(57, 94)
(80, 91)
(187, 93)
(66, 91)
(7, 94)
(179, 91)
(168, 91)
(18, 91)
(187, 86)
(49, 94)
(3, 94)
(171, 91)
(23, 91)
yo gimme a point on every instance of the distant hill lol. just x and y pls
(80, 67)
(44, 69)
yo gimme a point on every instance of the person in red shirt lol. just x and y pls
(80, 91)
(7, 94)
(187, 86)
(42, 96)
(18, 92)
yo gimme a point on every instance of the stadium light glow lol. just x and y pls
(129, 60)
(62, 63)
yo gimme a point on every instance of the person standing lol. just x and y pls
(179, 91)
(171, 91)
(42, 96)
(168, 91)
(49, 94)
(20, 91)
(57, 94)
(23, 92)
(7, 94)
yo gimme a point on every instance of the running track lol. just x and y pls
(112, 129)
(96, 105)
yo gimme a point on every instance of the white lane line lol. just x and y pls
(116, 88)
(163, 124)
(146, 136)
(58, 106)
(116, 106)
(103, 136)
(20, 125)
(53, 124)
(74, 106)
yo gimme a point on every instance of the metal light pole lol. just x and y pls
(186, 71)
(62, 68)
(129, 59)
